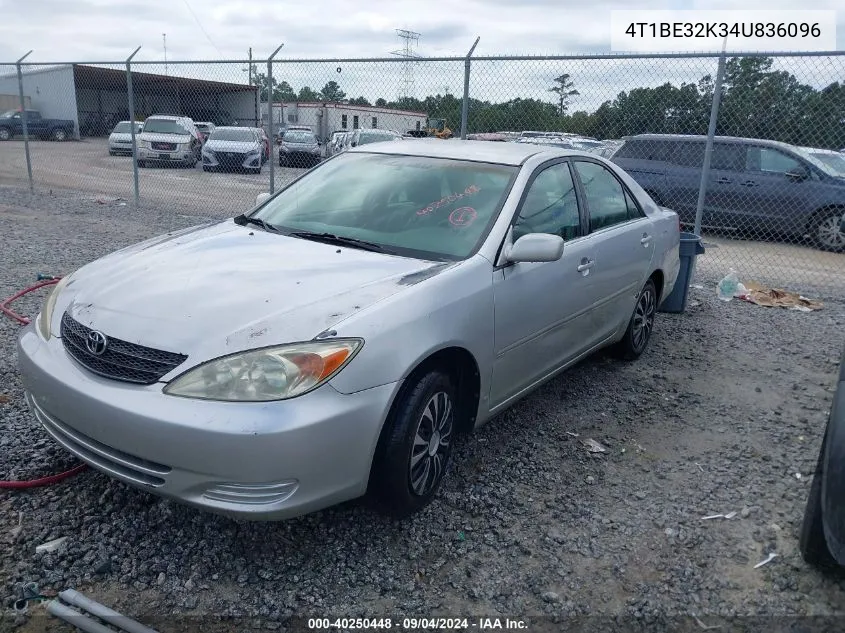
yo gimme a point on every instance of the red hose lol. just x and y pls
(4, 305)
(43, 481)
(50, 479)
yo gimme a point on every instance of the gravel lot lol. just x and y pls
(721, 414)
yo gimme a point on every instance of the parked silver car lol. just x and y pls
(169, 139)
(333, 340)
(120, 139)
(234, 148)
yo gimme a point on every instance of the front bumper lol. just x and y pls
(254, 460)
(231, 160)
(174, 156)
(120, 147)
(299, 157)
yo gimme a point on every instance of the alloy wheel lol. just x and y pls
(829, 235)
(644, 318)
(431, 444)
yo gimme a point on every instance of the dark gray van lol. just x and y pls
(756, 187)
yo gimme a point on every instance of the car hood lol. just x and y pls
(219, 289)
(121, 136)
(232, 146)
(165, 138)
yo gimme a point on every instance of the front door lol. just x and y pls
(542, 310)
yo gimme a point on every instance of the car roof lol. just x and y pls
(234, 127)
(820, 150)
(702, 137)
(483, 151)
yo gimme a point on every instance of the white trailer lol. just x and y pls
(325, 118)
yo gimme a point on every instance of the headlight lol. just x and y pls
(144, 144)
(272, 373)
(46, 315)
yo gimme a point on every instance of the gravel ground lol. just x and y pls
(722, 414)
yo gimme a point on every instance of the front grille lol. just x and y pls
(121, 360)
(164, 147)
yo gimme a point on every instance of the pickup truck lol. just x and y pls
(11, 124)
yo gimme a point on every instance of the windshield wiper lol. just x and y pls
(243, 220)
(331, 238)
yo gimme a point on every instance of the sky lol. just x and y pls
(96, 30)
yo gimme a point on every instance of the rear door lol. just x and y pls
(622, 238)
(726, 199)
(683, 180)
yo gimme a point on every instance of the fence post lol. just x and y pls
(270, 115)
(24, 123)
(130, 92)
(465, 104)
(708, 148)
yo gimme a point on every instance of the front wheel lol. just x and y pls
(59, 135)
(641, 325)
(416, 446)
(5, 134)
(812, 541)
(825, 233)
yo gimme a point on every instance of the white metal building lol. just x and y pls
(325, 118)
(96, 98)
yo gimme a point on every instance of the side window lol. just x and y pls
(689, 154)
(606, 202)
(645, 149)
(550, 205)
(634, 210)
(728, 156)
(770, 160)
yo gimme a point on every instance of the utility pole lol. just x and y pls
(164, 41)
(410, 38)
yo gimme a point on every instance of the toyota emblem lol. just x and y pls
(96, 342)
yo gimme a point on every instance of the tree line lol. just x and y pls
(756, 102)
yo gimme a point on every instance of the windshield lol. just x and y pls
(122, 128)
(9, 114)
(834, 161)
(164, 126)
(417, 206)
(299, 136)
(812, 156)
(375, 137)
(223, 134)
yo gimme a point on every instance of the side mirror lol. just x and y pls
(261, 198)
(536, 247)
(800, 173)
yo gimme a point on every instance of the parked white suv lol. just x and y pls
(169, 139)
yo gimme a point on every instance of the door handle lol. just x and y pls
(724, 181)
(646, 240)
(748, 183)
(585, 264)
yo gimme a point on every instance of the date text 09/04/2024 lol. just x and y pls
(723, 29)
(415, 624)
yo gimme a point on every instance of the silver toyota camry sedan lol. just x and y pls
(332, 341)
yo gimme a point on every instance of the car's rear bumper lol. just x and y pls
(256, 460)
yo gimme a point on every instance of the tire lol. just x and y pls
(142, 163)
(112, 153)
(812, 541)
(641, 325)
(407, 475)
(5, 134)
(58, 135)
(206, 168)
(824, 231)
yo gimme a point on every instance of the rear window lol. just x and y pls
(646, 149)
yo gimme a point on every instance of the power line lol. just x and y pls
(202, 28)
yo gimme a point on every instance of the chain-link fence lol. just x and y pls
(210, 136)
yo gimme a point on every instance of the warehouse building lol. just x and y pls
(95, 98)
(325, 118)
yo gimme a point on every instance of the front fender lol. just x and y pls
(833, 473)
